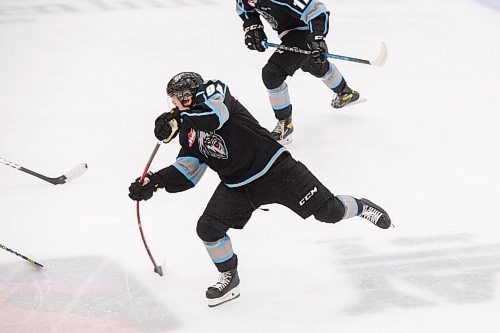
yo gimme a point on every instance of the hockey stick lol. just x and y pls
(20, 255)
(157, 268)
(68, 176)
(378, 61)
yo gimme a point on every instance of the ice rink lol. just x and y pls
(84, 80)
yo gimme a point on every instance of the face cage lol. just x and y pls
(181, 95)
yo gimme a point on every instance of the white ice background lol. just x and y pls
(83, 81)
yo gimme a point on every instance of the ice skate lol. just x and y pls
(225, 289)
(347, 97)
(283, 131)
(375, 214)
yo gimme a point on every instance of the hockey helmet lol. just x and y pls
(184, 85)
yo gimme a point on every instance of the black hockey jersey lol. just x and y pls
(285, 15)
(220, 133)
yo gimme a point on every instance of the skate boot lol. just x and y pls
(283, 130)
(375, 214)
(346, 97)
(225, 289)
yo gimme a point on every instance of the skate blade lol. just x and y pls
(232, 294)
(286, 140)
(359, 100)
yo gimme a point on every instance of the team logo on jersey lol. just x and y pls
(212, 145)
(268, 17)
(191, 137)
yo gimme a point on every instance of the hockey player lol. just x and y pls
(216, 131)
(299, 23)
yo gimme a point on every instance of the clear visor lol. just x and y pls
(177, 98)
(181, 95)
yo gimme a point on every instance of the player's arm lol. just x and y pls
(184, 174)
(315, 14)
(180, 176)
(247, 13)
(252, 26)
(210, 111)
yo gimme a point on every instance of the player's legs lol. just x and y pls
(333, 79)
(291, 184)
(228, 208)
(280, 66)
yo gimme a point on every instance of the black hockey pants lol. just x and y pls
(288, 183)
(284, 63)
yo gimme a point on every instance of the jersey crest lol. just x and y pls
(191, 137)
(212, 145)
(269, 18)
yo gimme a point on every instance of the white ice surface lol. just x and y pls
(83, 81)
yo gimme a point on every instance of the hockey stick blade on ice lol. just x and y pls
(378, 61)
(76, 172)
(20, 255)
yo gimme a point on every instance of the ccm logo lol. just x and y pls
(308, 196)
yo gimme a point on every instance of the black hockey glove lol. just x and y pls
(167, 126)
(254, 36)
(152, 182)
(317, 45)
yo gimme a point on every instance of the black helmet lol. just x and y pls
(184, 85)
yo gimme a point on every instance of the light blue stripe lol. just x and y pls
(217, 111)
(189, 158)
(189, 177)
(326, 23)
(280, 107)
(189, 114)
(218, 244)
(226, 258)
(306, 10)
(336, 83)
(322, 11)
(261, 173)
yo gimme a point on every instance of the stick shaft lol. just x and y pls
(157, 269)
(20, 255)
(327, 55)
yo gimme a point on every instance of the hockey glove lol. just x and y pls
(144, 191)
(254, 36)
(167, 126)
(317, 45)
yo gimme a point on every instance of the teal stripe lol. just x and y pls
(226, 258)
(262, 172)
(218, 244)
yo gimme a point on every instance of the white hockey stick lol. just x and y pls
(67, 177)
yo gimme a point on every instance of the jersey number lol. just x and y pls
(211, 90)
(301, 3)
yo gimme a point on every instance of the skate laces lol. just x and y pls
(224, 280)
(280, 127)
(371, 214)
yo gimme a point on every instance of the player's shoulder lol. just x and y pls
(211, 87)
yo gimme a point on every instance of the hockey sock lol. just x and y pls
(333, 79)
(351, 206)
(221, 253)
(280, 101)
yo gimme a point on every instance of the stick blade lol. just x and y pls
(158, 270)
(76, 172)
(382, 56)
